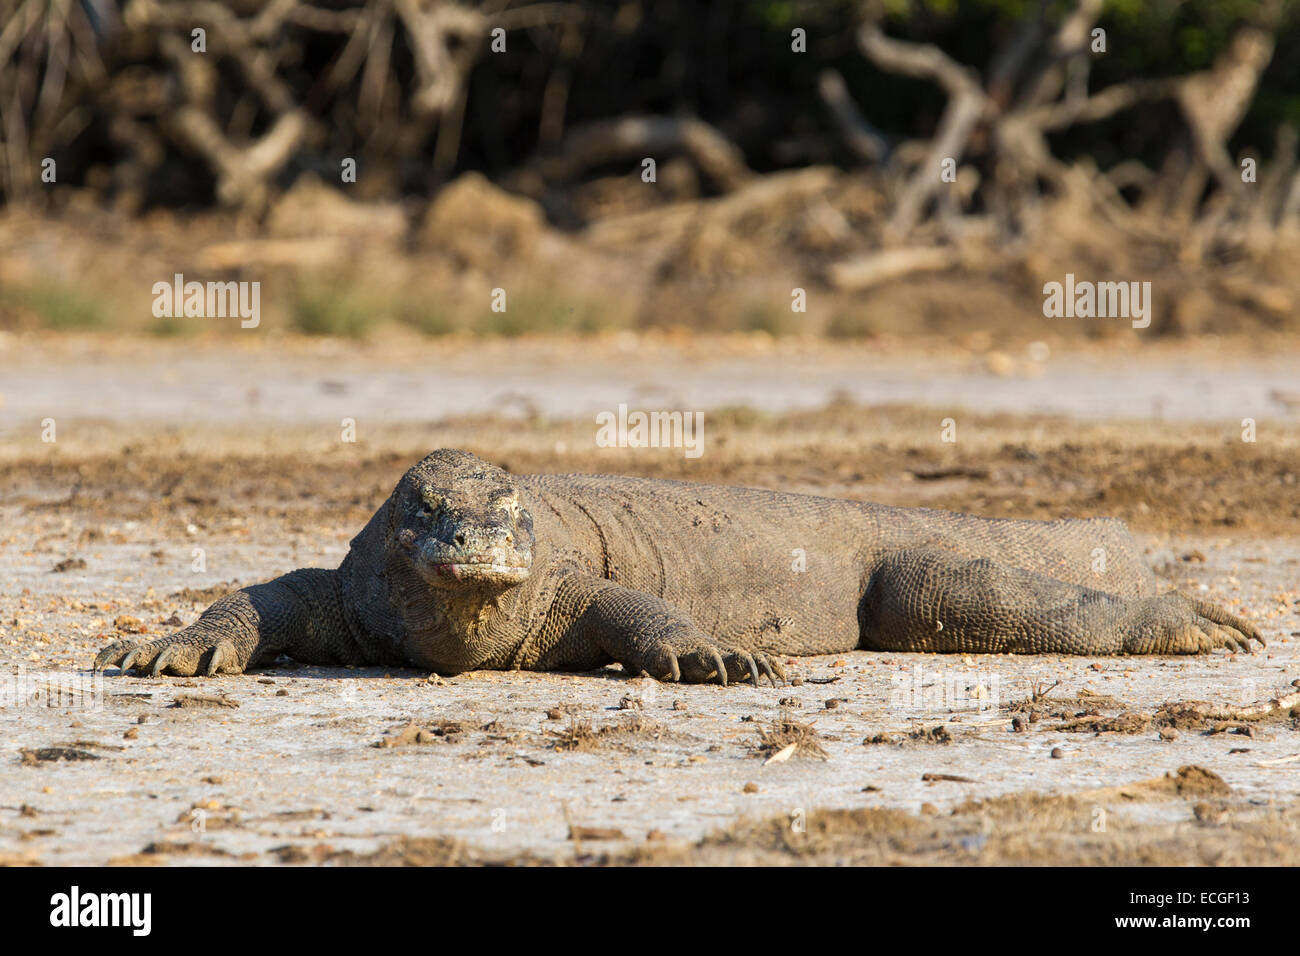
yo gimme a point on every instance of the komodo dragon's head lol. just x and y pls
(459, 520)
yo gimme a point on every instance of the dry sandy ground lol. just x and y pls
(1055, 760)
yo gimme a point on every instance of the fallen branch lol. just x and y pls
(863, 272)
(860, 136)
(636, 137)
(967, 105)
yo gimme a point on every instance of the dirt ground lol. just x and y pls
(144, 510)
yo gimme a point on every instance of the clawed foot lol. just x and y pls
(697, 660)
(180, 654)
(1184, 625)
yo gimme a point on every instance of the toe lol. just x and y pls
(1242, 628)
(134, 658)
(663, 664)
(178, 659)
(160, 662)
(719, 666)
(223, 660)
(111, 655)
(1239, 640)
(674, 668)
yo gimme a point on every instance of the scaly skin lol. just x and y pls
(467, 567)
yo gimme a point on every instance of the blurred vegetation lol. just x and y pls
(51, 305)
(776, 168)
(96, 84)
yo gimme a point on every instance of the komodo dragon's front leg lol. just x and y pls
(927, 599)
(299, 614)
(644, 633)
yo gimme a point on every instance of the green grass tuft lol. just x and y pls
(331, 312)
(50, 305)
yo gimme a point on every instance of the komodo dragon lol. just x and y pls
(466, 567)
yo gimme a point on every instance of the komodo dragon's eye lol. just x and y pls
(429, 507)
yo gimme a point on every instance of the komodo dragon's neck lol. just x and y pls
(453, 628)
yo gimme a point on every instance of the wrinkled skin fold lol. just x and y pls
(466, 567)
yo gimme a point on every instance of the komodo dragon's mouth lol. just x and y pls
(499, 565)
(473, 570)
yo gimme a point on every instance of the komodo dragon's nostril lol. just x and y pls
(460, 539)
(510, 538)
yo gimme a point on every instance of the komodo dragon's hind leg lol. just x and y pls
(928, 599)
(645, 634)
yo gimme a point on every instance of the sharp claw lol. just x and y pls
(753, 668)
(162, 660)
(110, 655)
(719, 668)
(221, 655)
(129, 661)
(676, 672)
